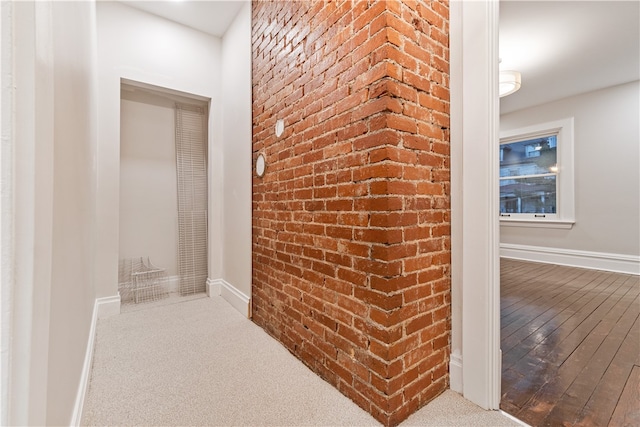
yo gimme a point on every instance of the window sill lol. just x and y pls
(532, 223)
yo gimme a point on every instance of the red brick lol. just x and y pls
(356, 307)
(394, 252)
(395, 154)
(379, 204)
(339, 286)
(393, 219)
(378, 170)
(351, 223)
(402, 123)
(367, 16)
(384, 138)
(378, 299)
(393, 284)
(377, 267)
(378, 235)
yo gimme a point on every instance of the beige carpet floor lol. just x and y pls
(199, 362)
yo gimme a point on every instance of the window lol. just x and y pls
(536, 176)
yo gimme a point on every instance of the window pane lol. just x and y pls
(530, 157)
(528, 195)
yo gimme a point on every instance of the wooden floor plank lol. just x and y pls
(563, 283)
(565, 320)
(527, 285)
(518, 280)
(552, 293)
(551, 310)
(562, 328)
(607, 338)
(558, 363)
(603, 401)
(627, 412)
(549, 293)
(550, 358)
(569, 345)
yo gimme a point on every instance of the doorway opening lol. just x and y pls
(163, 194)
(570, 318)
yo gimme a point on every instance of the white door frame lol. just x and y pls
(27, 209)
(475, 360)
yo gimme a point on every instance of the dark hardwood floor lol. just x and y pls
(570, 342)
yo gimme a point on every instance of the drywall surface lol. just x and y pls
(72, 291)
(236, 95)
(148, 193)
(27, 186)
(607, 190)
(144, 48)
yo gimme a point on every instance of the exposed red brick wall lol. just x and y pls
(351, 229)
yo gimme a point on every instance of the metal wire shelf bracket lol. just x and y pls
(139, 281)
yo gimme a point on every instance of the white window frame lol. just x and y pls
(565, 190)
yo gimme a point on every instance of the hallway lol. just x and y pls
(199, 362)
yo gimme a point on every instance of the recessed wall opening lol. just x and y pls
(163, 194)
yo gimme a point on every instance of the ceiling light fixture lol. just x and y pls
(510, 81)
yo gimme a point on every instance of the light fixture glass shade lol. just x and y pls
(510, 82)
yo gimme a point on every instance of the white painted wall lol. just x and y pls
(64, 134)
(148, 193)
(237, 151)
(144, 48)
(75, 117)
(607, 154)
(52, 133)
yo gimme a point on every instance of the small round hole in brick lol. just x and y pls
(260, 165)
(279, 128)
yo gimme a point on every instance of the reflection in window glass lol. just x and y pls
(528, 195)
(528, 172)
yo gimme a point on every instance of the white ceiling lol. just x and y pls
(209, 16)
(562, 48)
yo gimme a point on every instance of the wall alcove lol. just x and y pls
(163, 191)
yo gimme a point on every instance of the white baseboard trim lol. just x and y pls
(108, 306)
(231, 294)
(514, 419)
(618, 263)
(213, 287)
(455, 372)
(102, 307)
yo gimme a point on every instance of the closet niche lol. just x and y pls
(163, 194)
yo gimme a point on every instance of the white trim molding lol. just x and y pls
(108, 306)
(102, 307)
(619, 263)
(455, 372)
(477, 126)
(514, 419)
(213, 287)
(529, 223)
(455, 66)
(236, 298)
